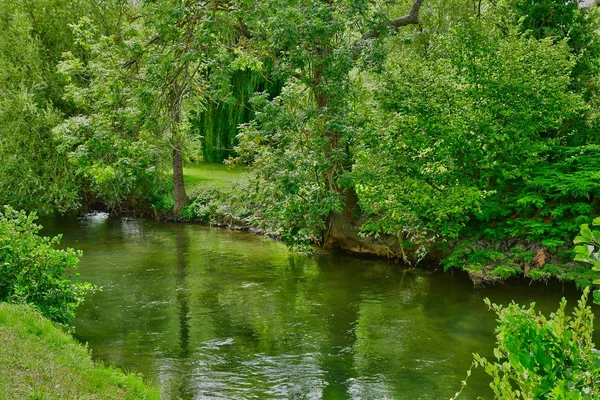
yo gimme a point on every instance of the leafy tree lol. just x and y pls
(453, 128)
(114, 144)
(564, 19)
(218, 124)
(145, 87)
(301, 141)
(35, 35)
(32, 175)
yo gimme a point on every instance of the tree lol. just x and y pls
(451, 128)
(301, 141)
(150, 81)
(114, 141)
(564, 19)
(35, 34)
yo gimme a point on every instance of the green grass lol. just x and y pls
(204, 175)
(40, 361)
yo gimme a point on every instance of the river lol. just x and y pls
(207, 313)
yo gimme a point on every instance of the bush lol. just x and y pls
(33, 271)
(588, 250)
(539, 358)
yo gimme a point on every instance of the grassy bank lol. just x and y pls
(40, 361)
(218, 196)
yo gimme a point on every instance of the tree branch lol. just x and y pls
(411, 19)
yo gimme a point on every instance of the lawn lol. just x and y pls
(204, 175)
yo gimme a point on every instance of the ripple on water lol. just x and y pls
(210, 314)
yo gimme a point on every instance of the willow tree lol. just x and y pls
(218, 124)
(144, 83)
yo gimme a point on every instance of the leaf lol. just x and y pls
(586, 232)
(579, 240)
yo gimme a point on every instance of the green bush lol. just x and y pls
(540, 358)
(34, 271)
(217, 206)
(588, 250)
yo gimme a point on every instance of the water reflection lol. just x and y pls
(212, 314)
(182, 248)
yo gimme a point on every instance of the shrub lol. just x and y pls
(540, 358)
(34, 271)
(588, 250)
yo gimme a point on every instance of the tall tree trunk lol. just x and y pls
(181, 198)
(332, 136)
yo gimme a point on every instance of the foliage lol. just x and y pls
(31, 174)
(540, 215)
(564, 19)
(35, 34)
(588, 250)
(301, 142)
(221, 207)
(218, 124)
(553, 201)
(290, 166)
(543, 358)
(145, 91)
(114, 145)
(470, 145)
(588, 245)
(34, 271)
(429, 159)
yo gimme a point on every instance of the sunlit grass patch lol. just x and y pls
(205, 175)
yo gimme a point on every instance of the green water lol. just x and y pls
(213, 314)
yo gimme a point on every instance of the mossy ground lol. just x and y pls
(38, 360)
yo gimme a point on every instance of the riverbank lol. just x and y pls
(225, 196)
(219, 196)
(40, 361)
(207, 312)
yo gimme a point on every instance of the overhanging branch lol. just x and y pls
(411, 19)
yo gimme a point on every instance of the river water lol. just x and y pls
(208, 313)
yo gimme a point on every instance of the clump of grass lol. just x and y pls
(38, 360)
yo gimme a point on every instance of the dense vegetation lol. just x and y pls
(461, 131)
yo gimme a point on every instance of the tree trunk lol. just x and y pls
(181, 198)
(344, 233)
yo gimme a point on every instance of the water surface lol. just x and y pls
(214, 314)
